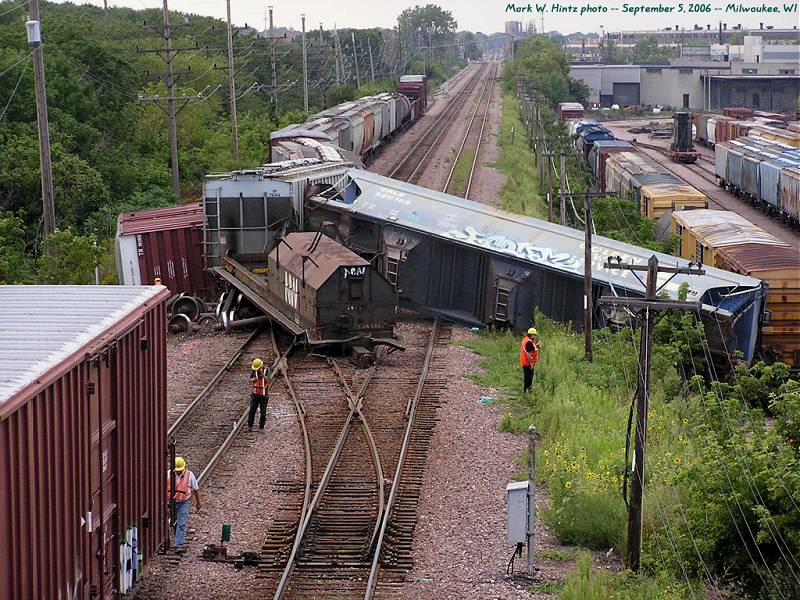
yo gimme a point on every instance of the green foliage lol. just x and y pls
(621, 220)
(72, 259)
(15, 266)
(520, 192)
(588, 583)
(429, 20)
(733, 510)
(541, 60)
(647, 50)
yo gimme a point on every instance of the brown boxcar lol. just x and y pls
(83, 438)
(165, 243)
(779, 266)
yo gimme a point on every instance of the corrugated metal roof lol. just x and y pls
(539, 242)
(161, 219)
(756, 257)
(721, 228)
(42, 325)
(326, 258)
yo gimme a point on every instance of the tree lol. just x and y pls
(72, 261)
(426, 26)
(15, 266)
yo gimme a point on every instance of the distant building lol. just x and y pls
(696, 85)
(514, 28)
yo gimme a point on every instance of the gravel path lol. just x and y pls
(460, 550)
(488, 181)
(242, 492)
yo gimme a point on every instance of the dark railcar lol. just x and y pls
(83, 397)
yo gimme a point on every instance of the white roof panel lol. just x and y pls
(44, 324)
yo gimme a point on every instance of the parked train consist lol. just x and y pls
(711, 129)
(728, 241)
(762, 172)
(619, 167)
(355, 130)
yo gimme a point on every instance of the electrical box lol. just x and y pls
(517, 511)
(34, 32)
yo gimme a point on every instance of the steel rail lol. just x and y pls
(411, 411)
(466, 136)
(235, 430)
(301, 417)
(305, 521)
(212, 384)
(444, 120)
(700, 172)
(480, 134)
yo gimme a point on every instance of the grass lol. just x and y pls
(588, 583)
(546, 587)
(461, 173)
(559, 555)
(580, 410)
(520, 193)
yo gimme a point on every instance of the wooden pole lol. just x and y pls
(173, 123)
(232, 88)
(587, 278)
(42, 121)
(355, 58)
(533, 436)
(371, 65)
(549, 158)
(305, 65)
(562, 188)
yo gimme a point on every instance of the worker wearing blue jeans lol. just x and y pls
(185, 490)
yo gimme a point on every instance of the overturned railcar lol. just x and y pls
(473, 264)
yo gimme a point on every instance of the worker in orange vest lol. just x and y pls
(185, 490)
(528, 357)
(259, 383)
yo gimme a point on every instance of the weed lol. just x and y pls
(555, 554)
(546, 587)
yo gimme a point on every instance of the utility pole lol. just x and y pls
(321, 41)
(646, 309)
(562, 190)
(272, 61)
(105, 9)
(549, 158)
(232, 89)
(305, 66)
(371, 66)
(587, 278)
(45, 165)
(533, 436)
(337, 52)
(355, 58)
(173, 124)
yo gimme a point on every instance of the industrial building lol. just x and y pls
(693, 84)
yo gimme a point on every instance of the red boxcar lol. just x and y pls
(570, 110)
(83, 393)
(165, 243)
(738, 112)
(414, 87)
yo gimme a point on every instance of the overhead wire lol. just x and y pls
(14, 93)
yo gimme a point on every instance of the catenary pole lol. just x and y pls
(371, 65)
(305, 66)
(562, 183)
(647, 308)
(170, 83)
(587, 278)
(45, 158)
(232, 88)
(355, 59)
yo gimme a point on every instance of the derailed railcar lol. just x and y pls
(477, 265)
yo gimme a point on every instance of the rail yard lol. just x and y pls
(318, 355)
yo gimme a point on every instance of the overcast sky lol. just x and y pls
(487, 16)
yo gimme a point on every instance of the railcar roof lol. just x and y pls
(324, 261)
(43, 325)
(546, 244)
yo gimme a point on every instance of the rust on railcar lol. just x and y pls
(83, 448)
(779, 266)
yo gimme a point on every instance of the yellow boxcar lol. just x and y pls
(656, 199)
(728, 241)
(702, 233)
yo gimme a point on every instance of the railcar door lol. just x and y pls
(102, 519)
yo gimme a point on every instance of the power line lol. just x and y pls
(14, 93)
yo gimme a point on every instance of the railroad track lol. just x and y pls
(703, 172)
(413, 164)
(211, 421)
(324, 542)
(473, 137)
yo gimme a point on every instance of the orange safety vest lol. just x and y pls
(523, 356)
(260, 383)
(182, 490)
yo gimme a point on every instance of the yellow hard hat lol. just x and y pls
(180, 464)
(257, 364)
(532, 331)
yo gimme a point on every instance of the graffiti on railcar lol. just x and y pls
(526, 250)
